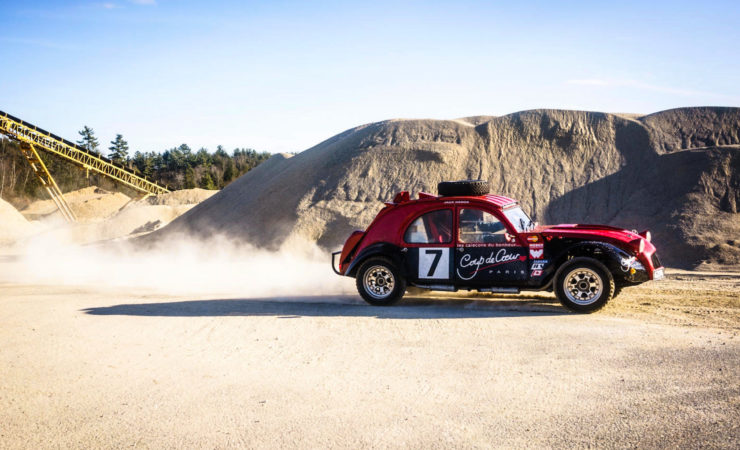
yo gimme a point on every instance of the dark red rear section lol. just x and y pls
(349, 246)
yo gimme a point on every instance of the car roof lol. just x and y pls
(499, 201)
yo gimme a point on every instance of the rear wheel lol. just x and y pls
(584, 285)
(379, 282)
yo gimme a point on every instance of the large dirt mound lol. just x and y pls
(89, 204)
(103, 215)
(181, 198)
(684, 128)
(564, 166)
(13, 226)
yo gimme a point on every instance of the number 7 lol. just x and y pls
(437, 256)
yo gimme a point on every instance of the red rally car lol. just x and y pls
(464, 238)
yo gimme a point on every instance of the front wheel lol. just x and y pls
(379, 282)
(584, 285)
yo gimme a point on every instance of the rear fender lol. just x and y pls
(385, 249)
(350, 245)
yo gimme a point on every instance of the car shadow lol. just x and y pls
(340, 306)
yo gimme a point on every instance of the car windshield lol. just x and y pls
(519, 219)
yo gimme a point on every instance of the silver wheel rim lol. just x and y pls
(583, 286)
(379, 282)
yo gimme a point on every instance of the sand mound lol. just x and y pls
(104, 215)
(89, 204)
(133, 220)
(564, 166)
(678, 129)
(181, 197)
(13, 226)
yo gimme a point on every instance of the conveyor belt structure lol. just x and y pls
(32, 137)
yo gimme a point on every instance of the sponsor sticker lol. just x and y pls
(533, 238)
(484, 245)
(539, 265)
(469, 266)
(536, 273)
(536, 253)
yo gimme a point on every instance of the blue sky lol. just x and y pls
(284, 75)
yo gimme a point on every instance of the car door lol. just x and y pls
(429, 244)
(487, 253)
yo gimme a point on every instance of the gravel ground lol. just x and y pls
(84, 367)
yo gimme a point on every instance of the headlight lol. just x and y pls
(638, 244)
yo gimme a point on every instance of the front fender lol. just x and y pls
(610, 255)
(385, 249)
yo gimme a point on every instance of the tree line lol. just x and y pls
(176, 168)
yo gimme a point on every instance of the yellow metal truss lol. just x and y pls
(30, 134)
(46, 180)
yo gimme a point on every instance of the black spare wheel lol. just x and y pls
(464, 187)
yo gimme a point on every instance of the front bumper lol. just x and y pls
(636, 271)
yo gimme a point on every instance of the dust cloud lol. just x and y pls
(180, 265)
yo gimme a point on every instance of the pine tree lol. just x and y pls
(89, 142)
(187, 155)
(144, 164)
(206, 181)
(118, 150)
(229, 172)
(220, 152)
(202, 158)
(189, 181)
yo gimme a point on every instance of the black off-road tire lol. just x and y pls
(617, 291)
(578, 278)
(465, 187)
(375, 269)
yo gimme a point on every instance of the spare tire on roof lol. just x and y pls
(465, 187)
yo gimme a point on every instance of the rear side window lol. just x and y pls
(431, 228)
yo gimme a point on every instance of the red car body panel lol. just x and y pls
(391, 222)
(605, 233)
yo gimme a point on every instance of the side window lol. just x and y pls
(431, 228)
(480, 227)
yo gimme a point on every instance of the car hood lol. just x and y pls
(588, 231)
